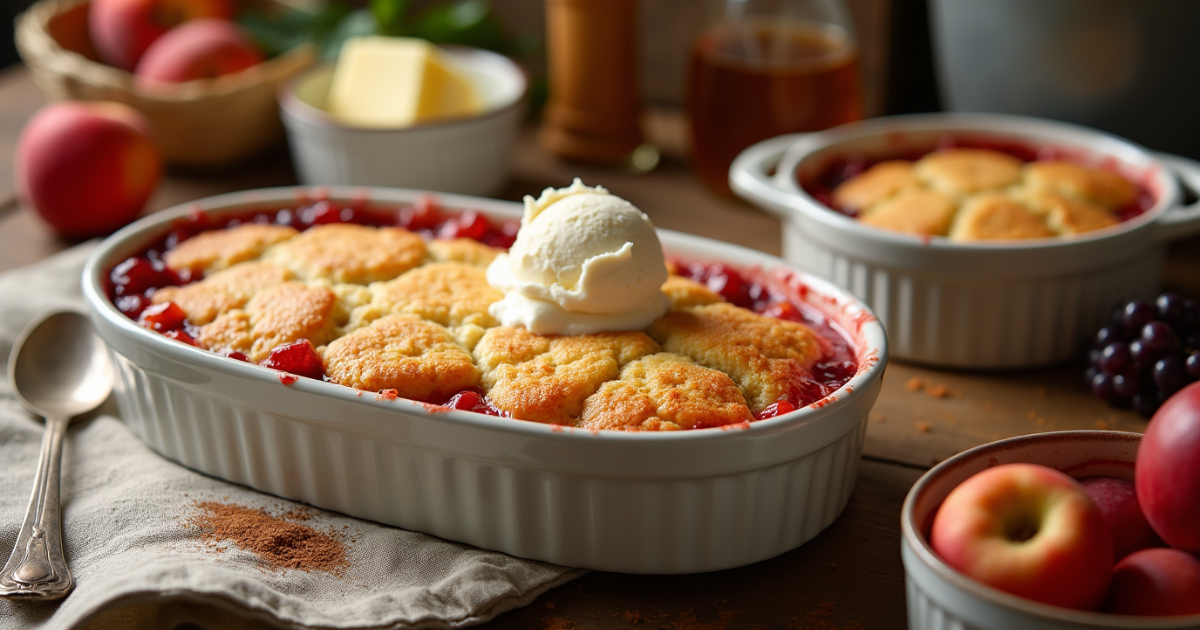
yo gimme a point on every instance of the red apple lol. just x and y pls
(122, 30)
(87, 168)
(1167, 472)
(1155, 582)
(1117, 501)
(1029, 530)
(200, 49)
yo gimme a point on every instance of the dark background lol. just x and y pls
(910, 59)
(8, 11)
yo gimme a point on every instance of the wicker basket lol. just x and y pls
(207, 123)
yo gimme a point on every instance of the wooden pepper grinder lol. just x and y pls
(592, 114)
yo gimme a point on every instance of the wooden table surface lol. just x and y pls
(848, 577)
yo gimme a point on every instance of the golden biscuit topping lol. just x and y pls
(766, 357)
(1070, 216)
(344, 252)
(224, 290)
(684, 292)
(548, 378)
(876, 184)
(981, 194)
(418, 359)
(449, 293)
(463, 250)
(997, 217)
(665, 392)
(218, 249)
(964, 171)
(916, 210)
(1103, 188)
(274, 316)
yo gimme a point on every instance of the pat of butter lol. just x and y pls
(397, 82)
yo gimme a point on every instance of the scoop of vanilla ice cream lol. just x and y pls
(584, 261)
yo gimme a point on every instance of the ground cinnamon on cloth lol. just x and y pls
(278, 542)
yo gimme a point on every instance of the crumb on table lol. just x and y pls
(938, 391)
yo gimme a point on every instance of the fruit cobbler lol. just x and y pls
(403, 302)
(979, 190)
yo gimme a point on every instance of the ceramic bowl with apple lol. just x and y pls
(1051, 530)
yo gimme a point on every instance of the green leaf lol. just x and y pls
(389, 15)
(462, 22)
(280, 31)
(467, 23)
(276, 34)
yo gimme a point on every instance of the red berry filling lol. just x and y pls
(425, 214)
(137, 275)
(828, 374)
(298, 357)
(469, 224)
(180, 335)
(473, 399)
(131, 305)
(162, 317)
(776, 409)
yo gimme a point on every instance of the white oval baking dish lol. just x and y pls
(989, 305)
(640, 503)
(939, 597)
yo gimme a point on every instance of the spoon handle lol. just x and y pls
(37, 568)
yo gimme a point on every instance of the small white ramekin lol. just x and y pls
(677, 502)
(941, 598)
(987, 305)
(469, 156)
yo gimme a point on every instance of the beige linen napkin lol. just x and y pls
(137, 563)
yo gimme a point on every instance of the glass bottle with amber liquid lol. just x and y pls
(764, 68)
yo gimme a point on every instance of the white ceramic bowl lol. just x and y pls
(645, 503)
(940, 597)
(988, 305)
(469, 156)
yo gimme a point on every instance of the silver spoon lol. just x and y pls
(59, 369)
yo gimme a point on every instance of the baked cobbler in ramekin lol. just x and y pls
(979, 189)
(982, 241)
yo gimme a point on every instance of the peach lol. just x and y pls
(1028, 530)
(122, 30)
(87, 168)
(200, 49)
(1155, 582)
